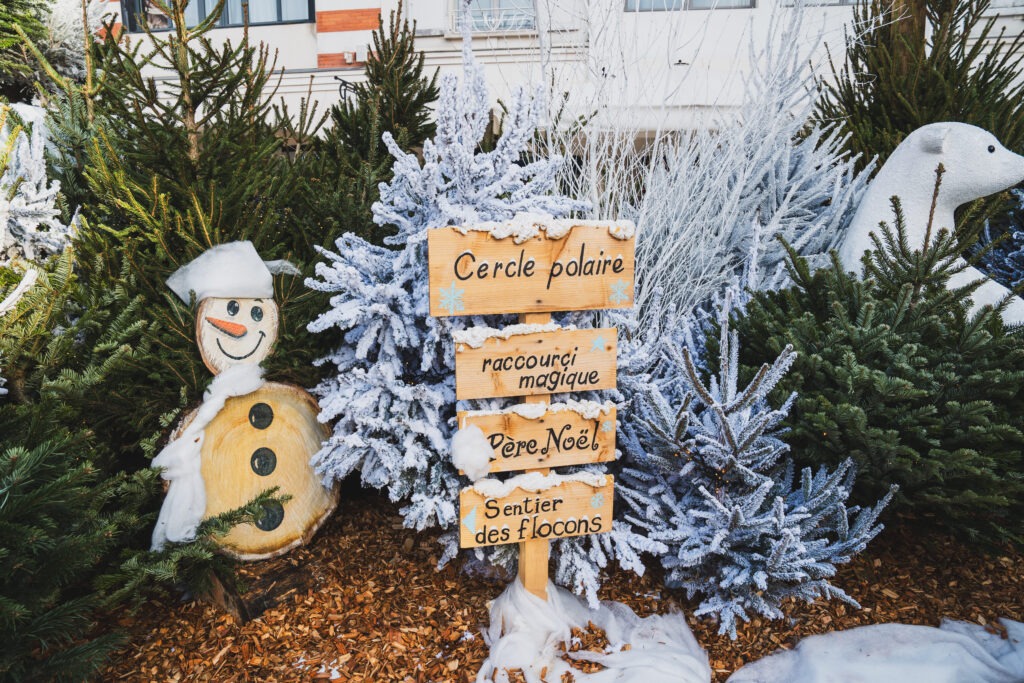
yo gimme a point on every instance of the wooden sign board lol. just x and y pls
(553, 362)
(476, 274)
(555, 439)
(572, 508)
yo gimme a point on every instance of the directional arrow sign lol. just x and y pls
(469, 521)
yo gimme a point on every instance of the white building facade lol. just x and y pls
(666, 63)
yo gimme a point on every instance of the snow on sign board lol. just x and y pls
(534, 435)
(530, 363)
(570, 508)
(477, 271)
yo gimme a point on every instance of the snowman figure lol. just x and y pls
(248, 435)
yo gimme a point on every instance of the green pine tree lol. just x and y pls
(914, 62)
(75, 520)
(210, 141)
(16, 64)
(64, 517)
(892, 372)
(397, 94)
(99, 359)
(351, 161)
(897, 77)
(168, 174)
(55, 529)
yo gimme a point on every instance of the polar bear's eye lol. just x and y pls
(991, 149)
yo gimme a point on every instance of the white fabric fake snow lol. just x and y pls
(956, 652)
(472, 452)
(525, 632)
(525, 226)
(588, 410)
(185, 503)
(534, 482)
(233, 269)
(476, 336)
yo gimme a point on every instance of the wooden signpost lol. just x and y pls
(560, 266)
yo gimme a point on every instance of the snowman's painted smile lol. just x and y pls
(235, 331)
(258, 342)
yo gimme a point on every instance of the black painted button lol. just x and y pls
(273, 515)
(261, 415)
(263, 461)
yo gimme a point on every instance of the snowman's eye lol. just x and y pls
(991, 149)
(232, 307)
(257, 313)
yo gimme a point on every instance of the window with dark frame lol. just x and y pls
(261, 12)
(497, 15)
(672, 5)
(825, 3)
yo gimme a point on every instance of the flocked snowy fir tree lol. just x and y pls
(30, 225)
(52, 29)
(393, 388)
(65, 40)
(709, 477)
(761, 171)
(1004, 260)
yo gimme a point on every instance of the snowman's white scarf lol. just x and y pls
(185, 502)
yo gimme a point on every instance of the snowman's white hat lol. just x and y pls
(228, 270)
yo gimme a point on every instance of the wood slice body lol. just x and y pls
(256, 442)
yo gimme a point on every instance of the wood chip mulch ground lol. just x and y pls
(364, 603)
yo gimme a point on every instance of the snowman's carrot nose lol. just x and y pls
(227, 327)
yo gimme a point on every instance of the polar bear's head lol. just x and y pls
(976, 163)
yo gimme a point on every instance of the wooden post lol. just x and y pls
(534, 554)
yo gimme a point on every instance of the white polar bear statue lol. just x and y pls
(976, 165)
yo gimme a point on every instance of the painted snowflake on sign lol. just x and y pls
(451, 299)
(618, 295)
